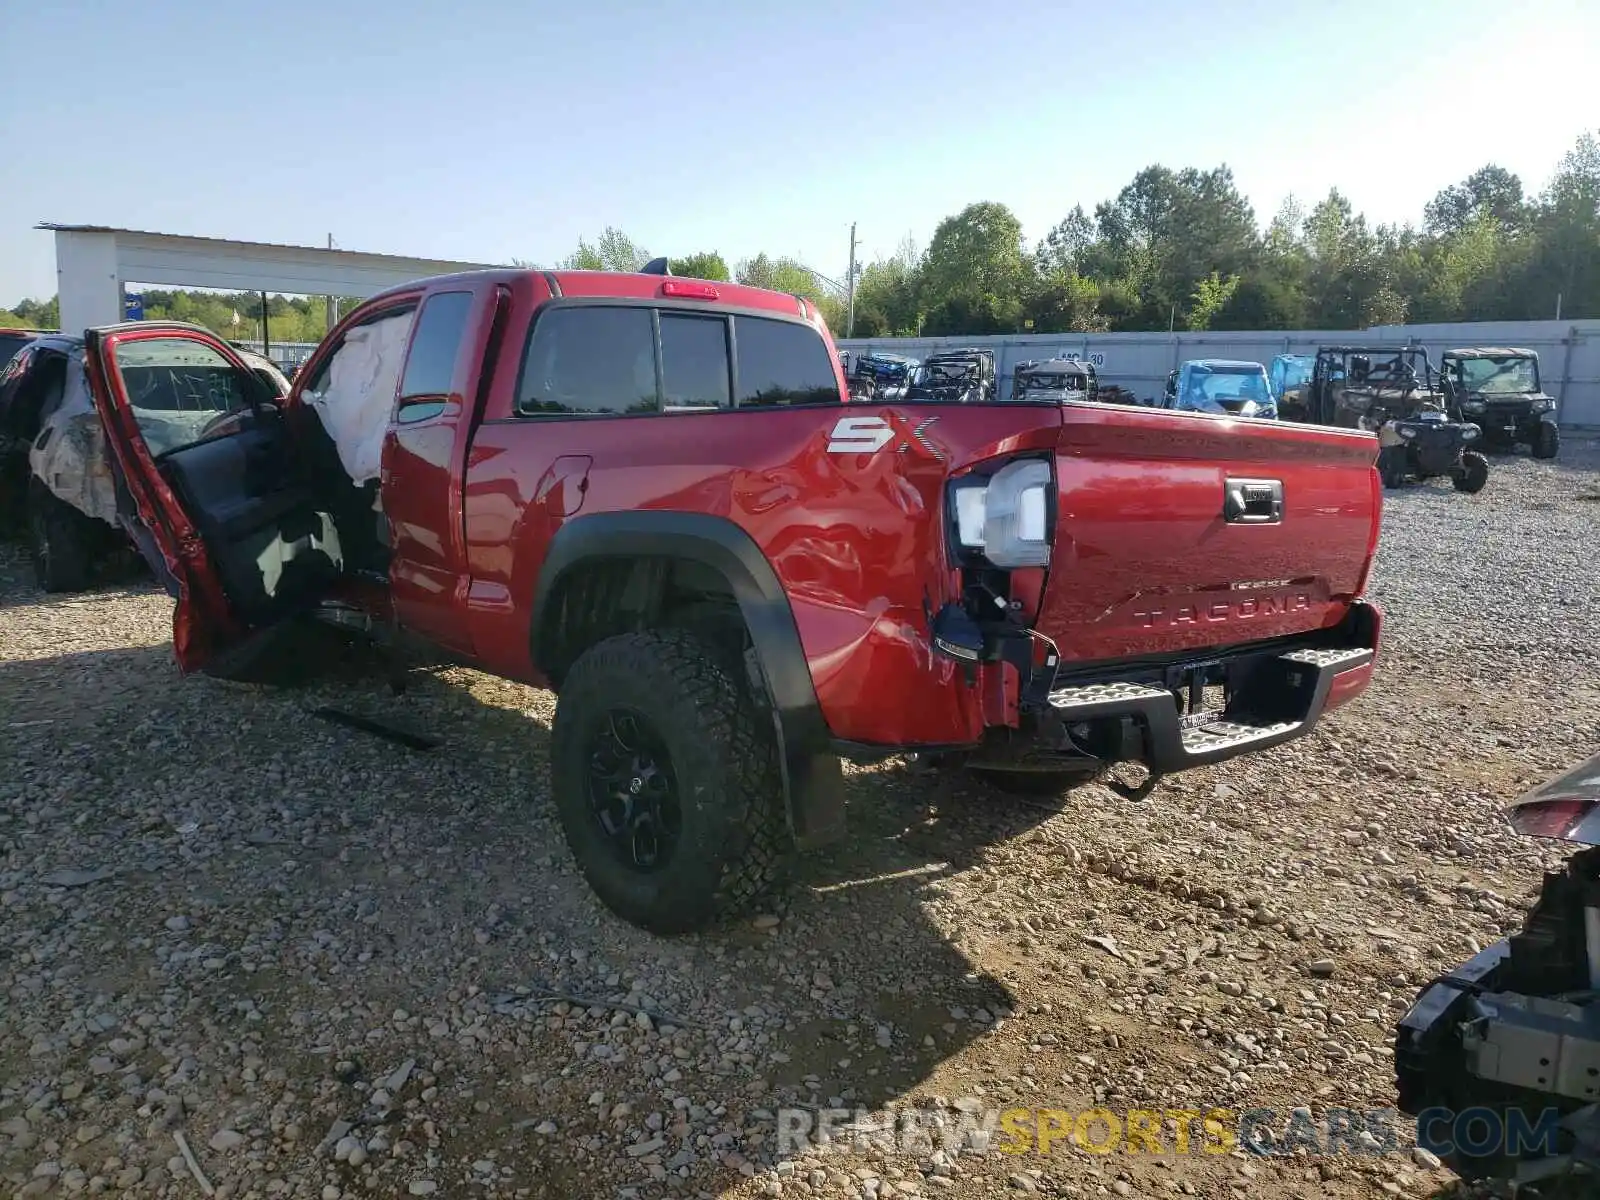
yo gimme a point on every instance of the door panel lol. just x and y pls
(456, 334)
(205, 469)
(275, 551)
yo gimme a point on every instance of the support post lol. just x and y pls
(331, 303)
(850, 287)
(88, 279)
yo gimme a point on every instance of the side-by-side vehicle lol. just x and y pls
(1499, 388)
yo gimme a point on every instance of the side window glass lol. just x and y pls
(17, 364)
(180, 389)
(435, 346)
(694, 363)
(589, 360)
(783, 362)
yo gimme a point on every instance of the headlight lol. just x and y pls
(1543, 404)
(1468, 432)
(1008, 518)
(1407, 432)
(1472, 406)
(1248, 409)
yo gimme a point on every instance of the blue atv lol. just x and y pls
(879, 375)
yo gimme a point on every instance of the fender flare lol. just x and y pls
(813, 781)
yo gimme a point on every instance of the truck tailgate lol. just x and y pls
(1151, 556)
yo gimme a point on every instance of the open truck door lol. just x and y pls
(207, 486)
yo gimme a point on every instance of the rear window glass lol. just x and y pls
(783, 362)
(10, 343)
(694, 363)
(590, 360)
(431, 365)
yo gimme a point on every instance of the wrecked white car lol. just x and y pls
(54, 464)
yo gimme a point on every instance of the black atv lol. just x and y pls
(878, 375)
(1427, 445)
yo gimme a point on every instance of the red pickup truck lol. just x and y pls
(650, 494)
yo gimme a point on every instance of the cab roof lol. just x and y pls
(1054, 366)
(624, 286)
(1224, 364)
(1490, 352)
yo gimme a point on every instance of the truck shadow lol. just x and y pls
(447, 871)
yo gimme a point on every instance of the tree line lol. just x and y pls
(234, 315)
(1173, 249)
(1182, 249)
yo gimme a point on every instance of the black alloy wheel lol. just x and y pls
(633, 791)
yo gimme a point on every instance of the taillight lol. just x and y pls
(688, 289)
(1006, 517)
(1551, 818)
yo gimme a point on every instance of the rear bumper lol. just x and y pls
(1273, 694)
(1302, 685)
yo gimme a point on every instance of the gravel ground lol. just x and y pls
(329, 966)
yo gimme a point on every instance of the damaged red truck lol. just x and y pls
(650, 494)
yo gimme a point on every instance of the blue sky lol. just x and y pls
(485, 131)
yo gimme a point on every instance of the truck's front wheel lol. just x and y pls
(666, 782)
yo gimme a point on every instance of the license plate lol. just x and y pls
(1208, 709)
(1204, 695)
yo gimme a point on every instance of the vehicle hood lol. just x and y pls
(1566, 808)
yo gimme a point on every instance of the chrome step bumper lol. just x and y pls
(1282, 701)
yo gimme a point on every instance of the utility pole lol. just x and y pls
(333, 301)
(850, 287)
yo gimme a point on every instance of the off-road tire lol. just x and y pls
(1392, 466)
(60, 541)
(1033, 783)
(734, 842)
(1546, 440)
(1474, 473)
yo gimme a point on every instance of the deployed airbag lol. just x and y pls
(357, 395)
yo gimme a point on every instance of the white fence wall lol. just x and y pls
(1569, 352)
(285, 354)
